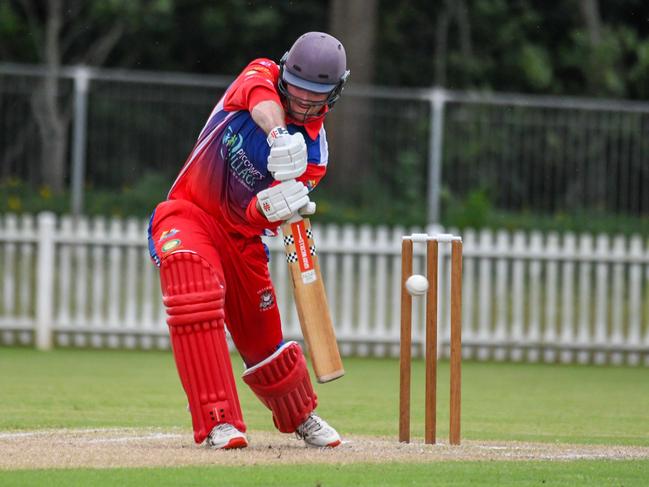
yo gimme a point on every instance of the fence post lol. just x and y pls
(44, 280)
(437, 101)
(81, 81)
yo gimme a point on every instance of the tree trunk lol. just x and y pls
(596, 67)
(348, 126)
(595, 78)
(51, 122)
(464, 28)
(590, 13)
(441, 47)
(451, 10)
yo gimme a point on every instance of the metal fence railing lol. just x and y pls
(534, 153)
(527, 296)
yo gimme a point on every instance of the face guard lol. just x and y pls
(311, 109)
(316, 62)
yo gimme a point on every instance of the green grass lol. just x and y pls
(84, 388)
(580, 404)
(569, 474)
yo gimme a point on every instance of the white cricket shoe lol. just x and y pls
(224, 436)
(316, 432)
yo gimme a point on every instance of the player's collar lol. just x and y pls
(313, 126)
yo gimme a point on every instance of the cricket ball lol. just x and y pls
(417, 285)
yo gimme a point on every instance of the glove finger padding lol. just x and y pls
(288, 156)
(308, 209)
(294, 199)
(281, 201)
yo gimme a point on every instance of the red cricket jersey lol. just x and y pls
(227, 166)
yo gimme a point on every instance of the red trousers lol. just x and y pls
(241, 264)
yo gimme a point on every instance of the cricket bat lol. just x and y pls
(311, 299)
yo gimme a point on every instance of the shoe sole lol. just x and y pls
(333, 444)
(233, 443)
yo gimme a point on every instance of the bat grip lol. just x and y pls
(295, 217)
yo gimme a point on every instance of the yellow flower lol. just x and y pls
(14, 203)
(45, 192)
(323, 207)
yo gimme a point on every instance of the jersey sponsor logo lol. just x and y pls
(168, 233)
(257, 70)
(241, 167)
(231, 142)
(171, 245)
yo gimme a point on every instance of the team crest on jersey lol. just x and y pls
(266, 299)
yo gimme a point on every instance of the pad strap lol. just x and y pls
(282, 383)
(194, 299)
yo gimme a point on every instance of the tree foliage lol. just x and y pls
(520, 46)
(568, 47)
(557, 46)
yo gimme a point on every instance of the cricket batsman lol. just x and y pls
(261, 152)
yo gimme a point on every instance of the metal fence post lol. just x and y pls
(44, 280)
(81, 81)
(437, 102)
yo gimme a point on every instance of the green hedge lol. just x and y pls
(474, 211)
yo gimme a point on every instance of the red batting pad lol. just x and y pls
(282, 383)
(194, 300)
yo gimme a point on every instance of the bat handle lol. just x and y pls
(308, 209)
(295, 217)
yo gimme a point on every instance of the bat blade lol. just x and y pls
(311, 301)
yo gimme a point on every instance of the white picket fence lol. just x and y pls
(527, 297)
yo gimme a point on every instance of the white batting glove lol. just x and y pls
(309, 209)
(288, 155)
(281, 201)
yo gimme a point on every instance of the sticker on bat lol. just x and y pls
(309, 276)
(304, 258)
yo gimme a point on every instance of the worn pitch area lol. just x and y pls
(108, 448)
